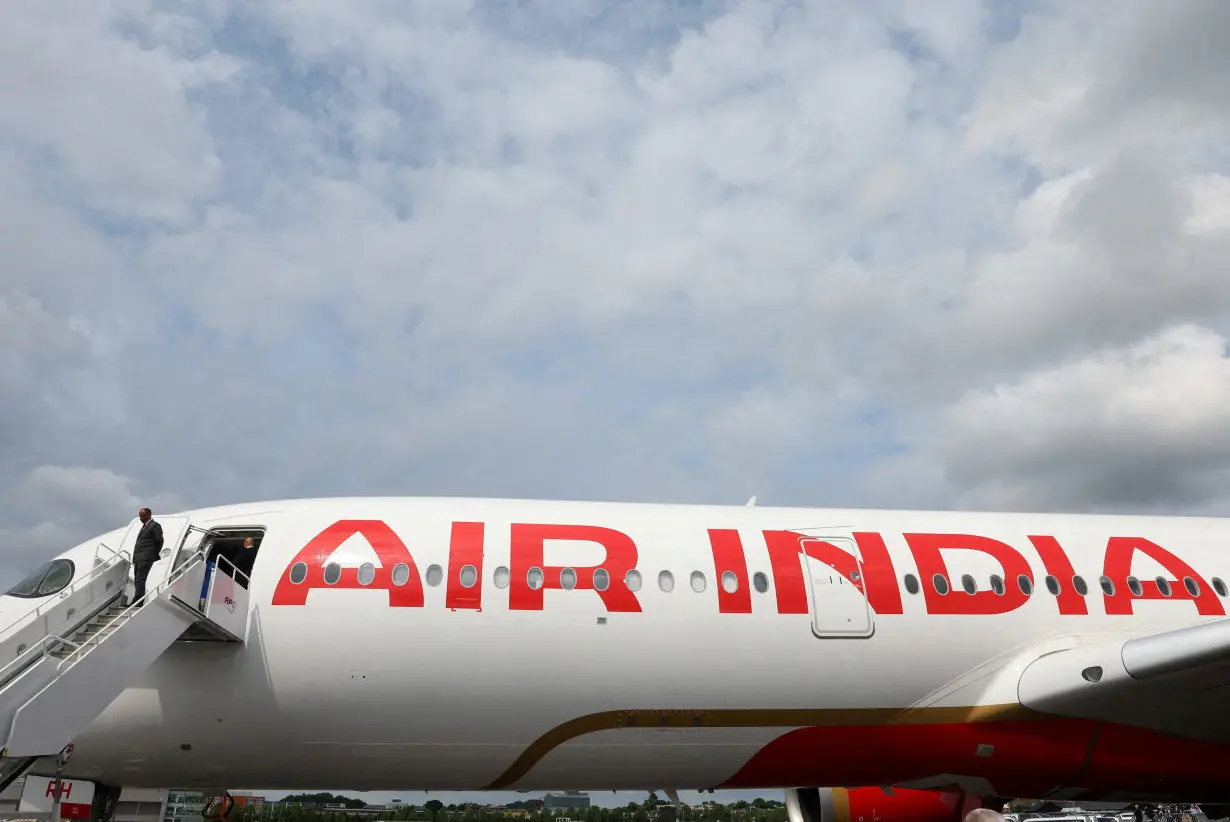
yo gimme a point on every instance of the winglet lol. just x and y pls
(751, 503)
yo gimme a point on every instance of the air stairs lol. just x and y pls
(70, 658)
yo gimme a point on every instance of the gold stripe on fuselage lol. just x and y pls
(751, 718)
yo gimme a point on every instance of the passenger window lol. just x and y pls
(760, 582)
(367, 573)
(666, 582)
(633, 580)
(435, 575)
(730, 582)
(602, 580)
(469, 576)
(1219, 586)
(501, 577)
(1025, 584)
(534, 578)
(1163, 585)
(911, 584)
(698, 582)
(1108, 587)
(941, 584)
(997, 584)
(968, 584)
(1078, 582)
(401, 574)
(1052, 585)
(567, 579)
(1193, 587)
(298, 573)
(1134, 586)
(333, 573)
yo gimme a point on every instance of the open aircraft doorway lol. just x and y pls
(230, 553)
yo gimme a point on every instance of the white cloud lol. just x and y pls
(52, 508)
(109, 112)
(82, 494)
(1210, 213)
(1143, 426)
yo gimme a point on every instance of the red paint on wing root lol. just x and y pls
(1026, 758)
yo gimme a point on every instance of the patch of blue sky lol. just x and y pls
(323, 92)
(1003, 19)
(612, 32)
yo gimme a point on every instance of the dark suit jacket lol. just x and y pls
(244, 560)
(149, 541)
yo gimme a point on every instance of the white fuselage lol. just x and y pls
(349, 690)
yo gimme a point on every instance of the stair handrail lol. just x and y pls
(68, 590)
(234, 568)
(197, 558)
(36, 650)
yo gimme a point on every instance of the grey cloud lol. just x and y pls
(1147, 426)
(80, 495)
(54, 507)
(111, 114)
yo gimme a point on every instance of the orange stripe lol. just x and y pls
(841, 805)
(537, 750)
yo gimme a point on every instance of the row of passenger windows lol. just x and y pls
(730, 581)
(535, 577)
(940, 583)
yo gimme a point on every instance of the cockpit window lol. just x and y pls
(49, 579)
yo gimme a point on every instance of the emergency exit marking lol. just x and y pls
(986, 750)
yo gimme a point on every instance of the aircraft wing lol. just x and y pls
(1175, 682)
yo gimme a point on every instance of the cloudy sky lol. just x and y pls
(960, 255)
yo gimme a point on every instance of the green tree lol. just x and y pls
(433, 807)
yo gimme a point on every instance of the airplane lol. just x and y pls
(875, 665)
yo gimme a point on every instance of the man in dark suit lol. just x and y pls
(145, 552)
(243, 562)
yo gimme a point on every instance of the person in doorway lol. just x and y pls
(243, 562)
(145, 553)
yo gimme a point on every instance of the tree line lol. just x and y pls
(653, 809)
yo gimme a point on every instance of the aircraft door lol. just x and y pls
(839, 606)
(174, 530)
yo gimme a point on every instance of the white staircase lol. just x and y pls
(73, 656)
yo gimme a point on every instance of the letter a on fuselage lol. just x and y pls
(389, 548)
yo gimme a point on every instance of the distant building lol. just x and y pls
(565, 800)
(185, 805)
(142, 805)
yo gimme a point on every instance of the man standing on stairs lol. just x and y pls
(145, 552)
